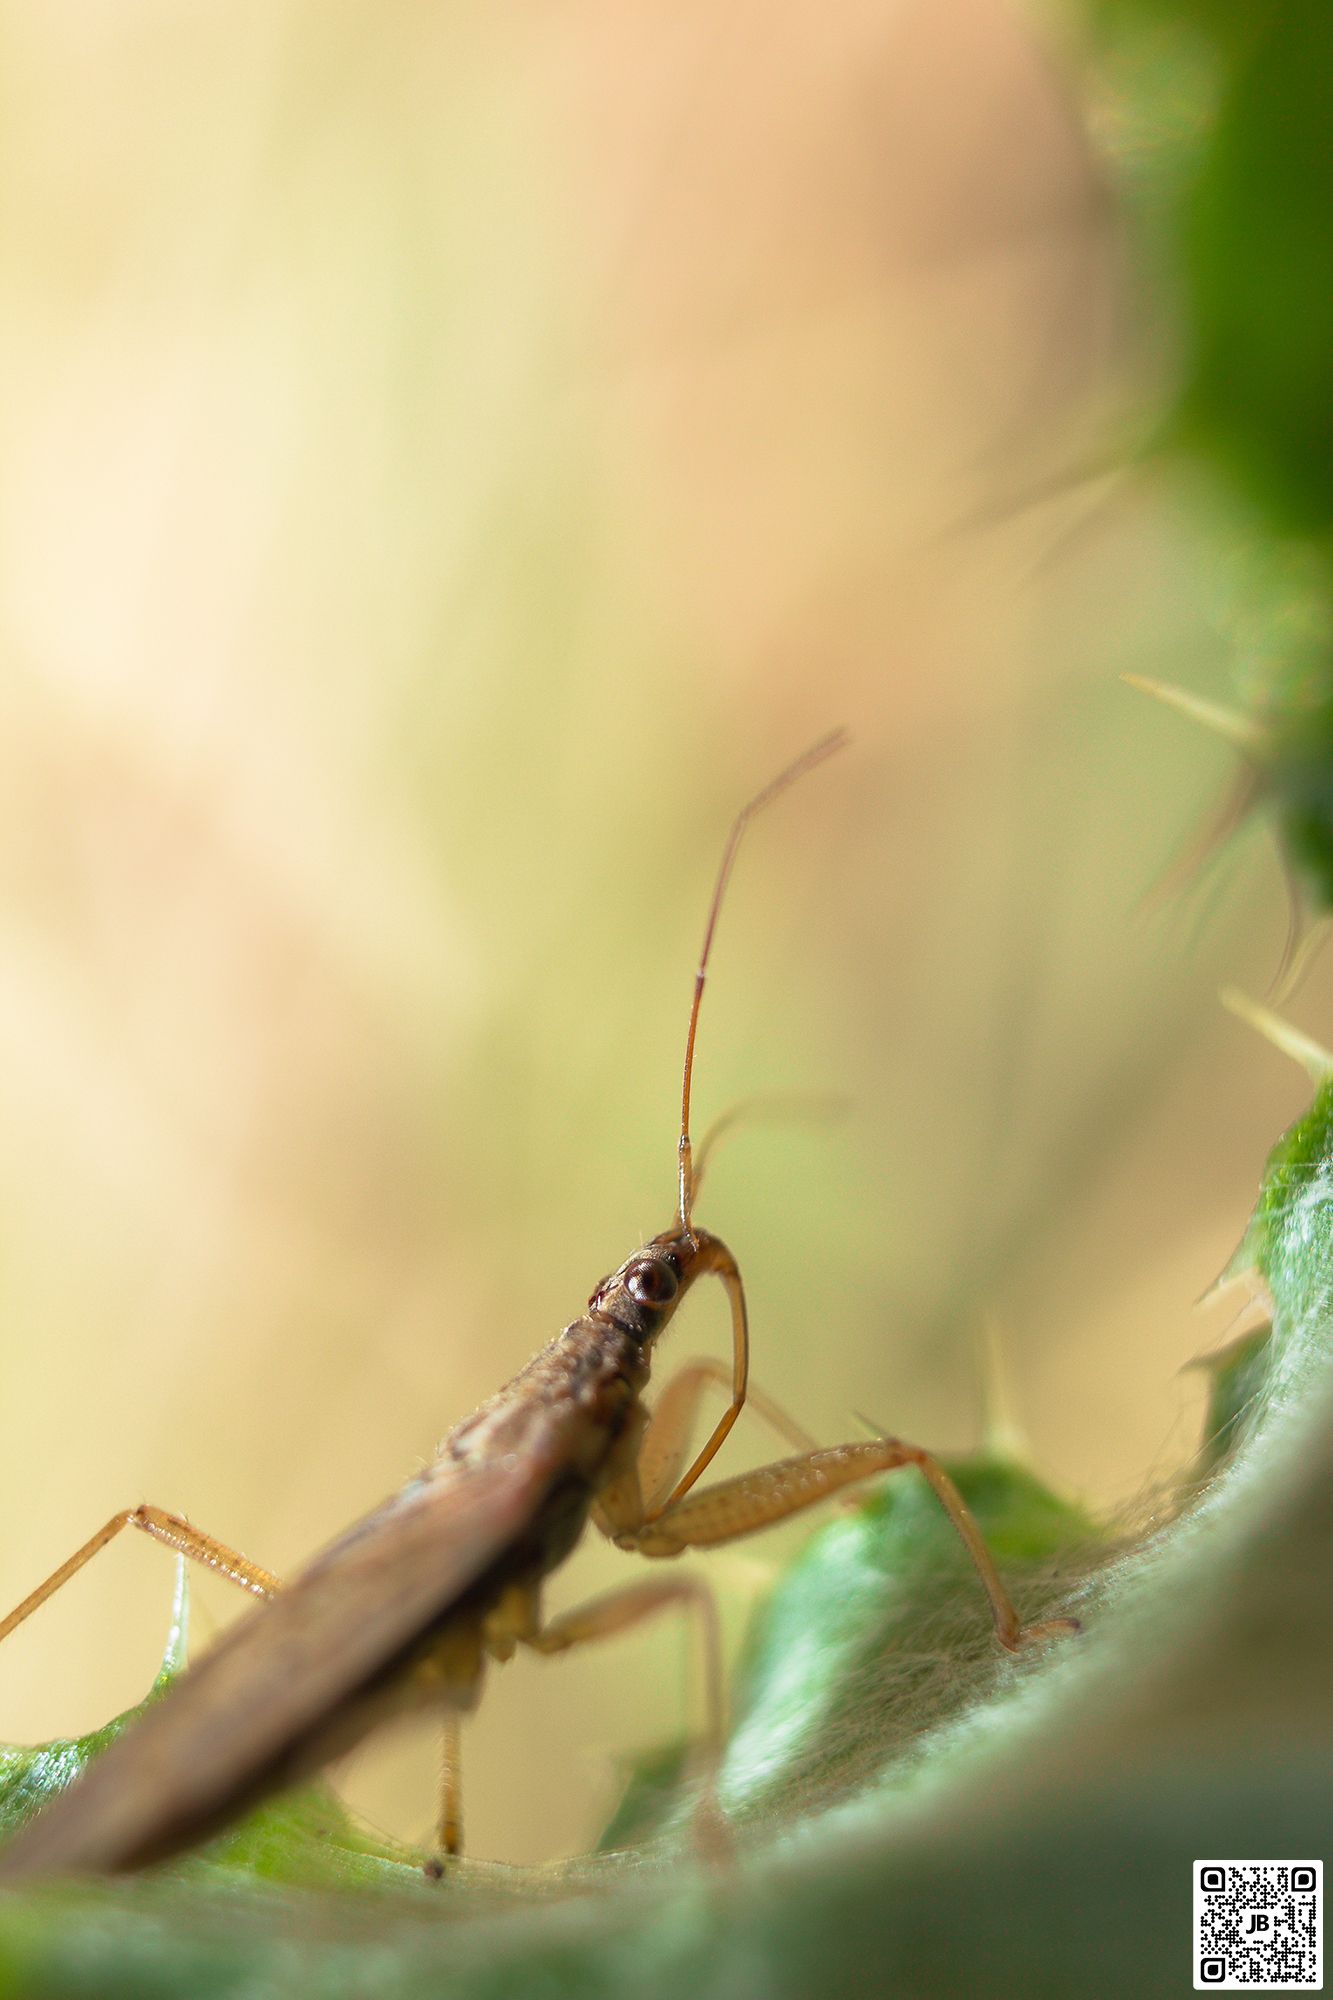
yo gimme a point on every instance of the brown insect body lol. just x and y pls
(405, 1608)
(354, 1637)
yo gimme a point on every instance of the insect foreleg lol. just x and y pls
(663, 1449)
(736, 1507)
(171, 1529)
(714, 1256)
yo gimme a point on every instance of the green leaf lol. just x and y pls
(31, 1774)
(1260, 393)
(1288, 1238)
(303, 1838)
(1221, 115)
(1238, 1377)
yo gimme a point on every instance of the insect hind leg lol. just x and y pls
(172, 1530)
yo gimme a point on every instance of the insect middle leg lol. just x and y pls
(618, 1610)
(603, 1618)
(170, 1529)
(449, 1826)
(735, 1507)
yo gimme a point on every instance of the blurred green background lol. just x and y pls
(448, 460)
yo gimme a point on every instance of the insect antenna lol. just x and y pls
(816, 754)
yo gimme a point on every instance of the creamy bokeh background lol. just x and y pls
(448, 458)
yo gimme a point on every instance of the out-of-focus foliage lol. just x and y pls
(1237, 147)
(1259, 267)
(1238, 187)
(1298, 1188)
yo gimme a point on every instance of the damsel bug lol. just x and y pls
(406, 1607)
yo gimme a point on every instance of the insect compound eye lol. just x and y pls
(652, 1283)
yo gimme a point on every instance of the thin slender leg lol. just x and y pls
(171, 1529)
(449, 1829)
(718, 1258)
(663, 1449)
(618, 1610)
(736, 1507)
